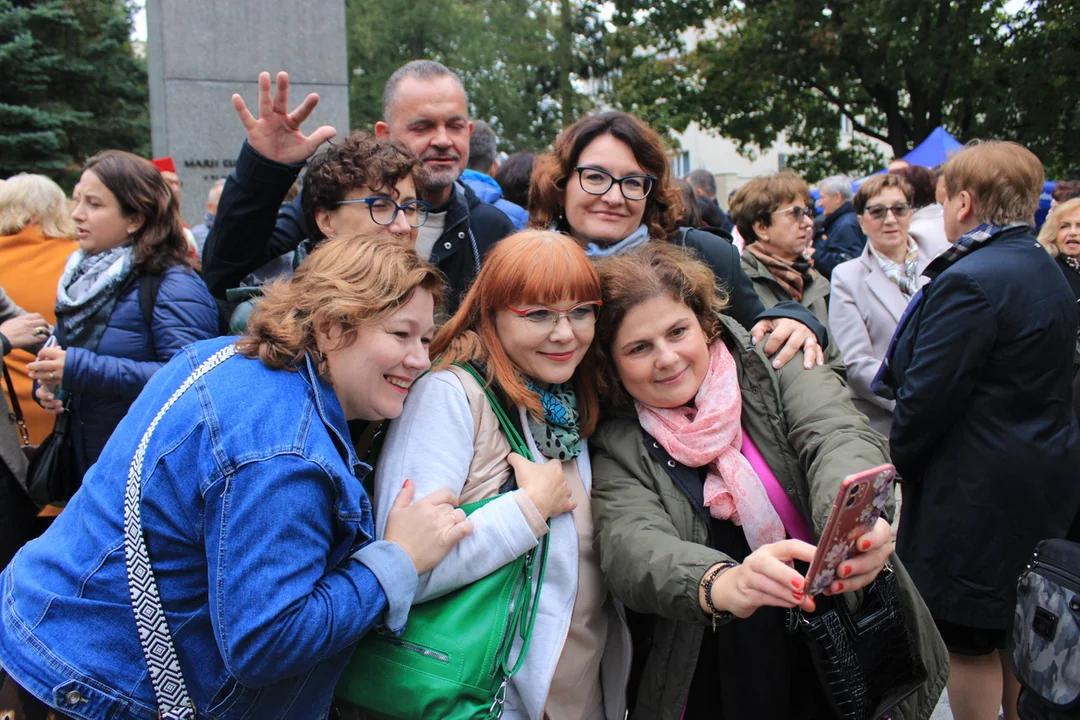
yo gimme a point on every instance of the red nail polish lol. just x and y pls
(798, 596)
(405, 484)
(845, 571)
(865, 545)
(839, 587)
(797, 583)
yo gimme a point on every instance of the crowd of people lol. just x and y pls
(277, 415)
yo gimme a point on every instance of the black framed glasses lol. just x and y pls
(879, 212)
(597, 182)
(384, 211)
(798, 212)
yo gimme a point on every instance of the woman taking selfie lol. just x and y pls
(712, 462)
(527, 323)
(252, 513)
(607, 184)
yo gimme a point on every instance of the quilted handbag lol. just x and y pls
(453, 661)
(866, 659)
(1044, 646)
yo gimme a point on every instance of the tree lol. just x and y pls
(895, 70)
(519, 59)
(71, 85)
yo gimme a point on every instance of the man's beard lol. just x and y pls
(434, 180)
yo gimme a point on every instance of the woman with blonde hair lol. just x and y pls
(526, 325)
(36, 238)
(252, 516)
(1060, 235)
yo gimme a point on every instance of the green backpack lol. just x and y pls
(453, 660)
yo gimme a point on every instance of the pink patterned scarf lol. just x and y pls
(710, 433)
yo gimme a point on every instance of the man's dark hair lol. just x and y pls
(703, 180)
(923, 184)
(360, 160)
(514, 176)
(483, 147)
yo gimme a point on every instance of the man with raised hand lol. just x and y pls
(424, 107)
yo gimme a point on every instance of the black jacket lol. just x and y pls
(984, 434)
(252, 227)
(841, 239)
(712, 215)
(743, 302)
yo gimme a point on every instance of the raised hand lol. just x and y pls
(765, 577)
(276, 133)
(871, 552)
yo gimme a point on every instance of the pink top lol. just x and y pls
(793, 520)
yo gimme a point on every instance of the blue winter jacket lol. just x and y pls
(104, 382)
(260, 536)
(488, 190)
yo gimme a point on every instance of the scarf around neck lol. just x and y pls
(792, 276)
(88, 290)
(710, 434)
(906, 277)
(559, 436)
(1072, 263)
(635, 240)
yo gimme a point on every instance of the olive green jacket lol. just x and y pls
(654, 547)
(815, 299)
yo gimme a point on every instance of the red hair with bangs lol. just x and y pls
(532, 266)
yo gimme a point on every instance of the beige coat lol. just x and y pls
(865, 309)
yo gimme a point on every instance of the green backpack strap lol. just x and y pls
(525, 613)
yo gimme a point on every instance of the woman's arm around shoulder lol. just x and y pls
(647, 565)
(431, 444)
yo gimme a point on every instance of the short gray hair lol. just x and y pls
(420, 70)
(837, 184)
(483, 147)
(703, 180)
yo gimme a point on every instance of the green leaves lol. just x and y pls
(71, 85)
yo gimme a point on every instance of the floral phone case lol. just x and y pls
(858, 506)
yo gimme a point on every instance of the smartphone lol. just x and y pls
(56, 390)
(858, 506)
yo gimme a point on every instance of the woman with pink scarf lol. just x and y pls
(712, 480)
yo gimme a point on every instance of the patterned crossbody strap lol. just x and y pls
(173, 700)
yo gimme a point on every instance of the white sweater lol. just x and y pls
(432, 444)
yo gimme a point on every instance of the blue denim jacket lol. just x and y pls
(260, 535)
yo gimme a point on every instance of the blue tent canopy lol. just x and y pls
(935, 149)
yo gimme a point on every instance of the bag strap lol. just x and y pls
(524, 612)
(16, 410)
(173, 700)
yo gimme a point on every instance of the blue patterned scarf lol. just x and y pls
(559, 436)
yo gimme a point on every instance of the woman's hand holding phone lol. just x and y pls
(871, 552)
(765, 577)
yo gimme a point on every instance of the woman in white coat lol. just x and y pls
(871, 292)
(527, 323)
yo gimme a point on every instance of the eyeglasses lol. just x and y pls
(798, 212)
(597, 182)
(878, 212)
(544, 319)
(384, 211)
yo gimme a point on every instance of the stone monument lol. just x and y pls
(200, 52)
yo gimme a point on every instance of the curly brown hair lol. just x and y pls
(663, 207)
(658, 269)
(360, 160)
(346, 281)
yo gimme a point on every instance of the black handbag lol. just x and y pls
(53, 475)
(866, 659)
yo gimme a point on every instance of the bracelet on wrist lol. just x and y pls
(707, 584)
